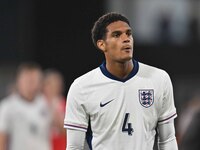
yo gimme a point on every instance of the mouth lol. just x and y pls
(127, 48)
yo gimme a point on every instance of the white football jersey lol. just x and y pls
(27, 123)
(124, 113)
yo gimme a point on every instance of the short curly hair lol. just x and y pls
(99, 29)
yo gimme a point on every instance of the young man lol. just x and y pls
(123, 101)
(25, 119)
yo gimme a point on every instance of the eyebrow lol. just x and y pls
(118, 31)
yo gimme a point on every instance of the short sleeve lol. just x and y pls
(4, 116)
(168, 110)
(75, 114)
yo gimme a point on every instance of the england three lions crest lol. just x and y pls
(146, 97)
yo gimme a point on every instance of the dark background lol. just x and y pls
(56, 34)
(53, 33)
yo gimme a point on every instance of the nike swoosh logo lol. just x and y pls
(104, 104)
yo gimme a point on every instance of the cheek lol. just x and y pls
(112, 47)
(37, 84)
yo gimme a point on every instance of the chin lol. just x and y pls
(127, 58)
(123, 60)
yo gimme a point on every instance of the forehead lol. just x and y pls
(118, 26)
(30, 73)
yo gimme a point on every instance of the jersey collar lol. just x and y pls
(109, 75)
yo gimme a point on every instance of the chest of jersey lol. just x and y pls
(33, 118)
(124, 107)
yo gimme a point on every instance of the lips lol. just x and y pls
(126, 47)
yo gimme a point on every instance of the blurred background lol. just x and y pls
(56, 34)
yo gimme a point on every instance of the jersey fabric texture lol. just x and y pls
(123, 114)
(26, 123)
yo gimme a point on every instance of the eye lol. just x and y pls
(116, 35)
(129, 33)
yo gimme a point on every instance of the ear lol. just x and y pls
(101, 45)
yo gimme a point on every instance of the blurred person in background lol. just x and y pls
(24, 114)
(189, 125)
(53, 87)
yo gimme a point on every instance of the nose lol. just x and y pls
(126, 38)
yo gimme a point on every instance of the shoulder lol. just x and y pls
(86, 78)
(83, 85)
(7, 100)
(148, 71)
(7, 103)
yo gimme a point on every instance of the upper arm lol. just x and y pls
(3, 140)
(76, 117)
(166, 131)
(4, 123)
(75, 139)
(4, 116)
(167, 109)
(166, 136)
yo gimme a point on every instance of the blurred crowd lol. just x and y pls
(32, 112)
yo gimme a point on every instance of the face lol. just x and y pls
(53, 85)
(118, 44)
(29, 83)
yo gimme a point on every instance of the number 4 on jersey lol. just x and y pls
(127, 127)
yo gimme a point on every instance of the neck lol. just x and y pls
(51, 96)
(120, 70)
(27, 97)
